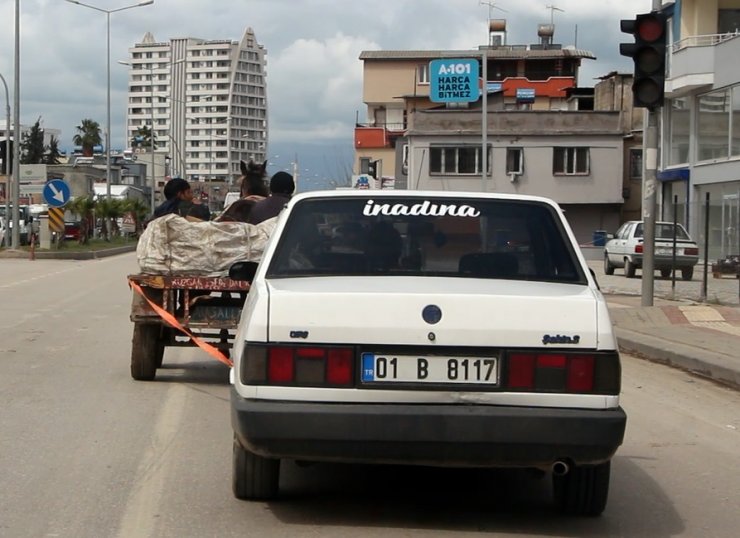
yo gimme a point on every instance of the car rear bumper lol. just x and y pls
(666, 262)
(445, 435)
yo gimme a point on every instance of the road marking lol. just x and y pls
(140, 517)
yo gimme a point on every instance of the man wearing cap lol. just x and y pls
(281, 188)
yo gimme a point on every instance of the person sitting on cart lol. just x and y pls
(179, 200)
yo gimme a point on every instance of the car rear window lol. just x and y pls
(664, 231)
(475, 238)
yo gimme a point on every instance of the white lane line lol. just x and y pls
(143, 505)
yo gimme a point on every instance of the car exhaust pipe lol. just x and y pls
(560, 468)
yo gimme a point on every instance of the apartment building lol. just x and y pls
(206, 100)
(541, 138)
(700, 127)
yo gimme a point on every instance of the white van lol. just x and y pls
(430, 328)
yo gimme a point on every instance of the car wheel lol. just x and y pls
(583, 491)
(687, 273)
(608, 267)
(144, 349)
(665, 273)
(629, 268)
(254, 478)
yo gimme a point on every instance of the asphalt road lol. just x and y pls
(87, 452)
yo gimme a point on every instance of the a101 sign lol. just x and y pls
(454, 81)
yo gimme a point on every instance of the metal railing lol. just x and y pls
(388, 126)
(708, 40)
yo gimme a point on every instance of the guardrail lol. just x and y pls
(708, 40)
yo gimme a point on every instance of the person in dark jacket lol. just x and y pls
(281, 188)
(179, 199)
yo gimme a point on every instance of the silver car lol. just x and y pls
(626, 250)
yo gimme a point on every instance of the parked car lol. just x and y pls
(426, 328)
(625, 249)
(72, 230)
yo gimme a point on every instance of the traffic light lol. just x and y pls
(648, 53)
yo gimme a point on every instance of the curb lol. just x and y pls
(692, 359)
(61, 255)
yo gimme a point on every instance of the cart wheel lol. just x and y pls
(144, 351)
(162, 341)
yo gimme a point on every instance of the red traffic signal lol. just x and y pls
(648, 53)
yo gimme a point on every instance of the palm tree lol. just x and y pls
(84, 207)
(109, 209)
(143, 138)
(88, 136)
(139, 209)
(52, 151)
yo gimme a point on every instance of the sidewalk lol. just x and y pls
(701, 338)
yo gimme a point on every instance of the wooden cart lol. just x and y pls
(207, 308)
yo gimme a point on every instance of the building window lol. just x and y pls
(423, 73)
(635, 163)
(514, 161)
(570, 161)
(677, 131)
(461, 160)
(735, 136)
(713, 121)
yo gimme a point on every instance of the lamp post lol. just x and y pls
(15, 235)
(108, 126)
(6, 161)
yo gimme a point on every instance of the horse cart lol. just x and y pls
(170, 311)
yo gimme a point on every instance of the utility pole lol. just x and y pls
(15, 235)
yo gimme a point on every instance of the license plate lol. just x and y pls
(386, 368)
(663, 251)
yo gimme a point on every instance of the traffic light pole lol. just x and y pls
(649, 205)
(650, 198)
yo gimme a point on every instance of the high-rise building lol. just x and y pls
(206, 100)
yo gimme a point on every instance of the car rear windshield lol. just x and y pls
(665, 231)
(414, 236)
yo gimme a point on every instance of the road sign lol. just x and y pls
(454, 80)
(57, 193)
(56, 219)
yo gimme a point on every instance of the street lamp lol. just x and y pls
(108, 126)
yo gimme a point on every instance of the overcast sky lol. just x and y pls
(314, 74)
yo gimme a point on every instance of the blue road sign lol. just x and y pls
(57, 193)
(454, 81)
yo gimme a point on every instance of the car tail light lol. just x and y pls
(305, 366)
(691, 251)
(598, 373)
(638, 248)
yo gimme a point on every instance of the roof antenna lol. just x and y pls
(553, 9)
(491, 6)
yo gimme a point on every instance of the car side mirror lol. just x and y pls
(243, 271)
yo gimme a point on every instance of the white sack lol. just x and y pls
(174, 245)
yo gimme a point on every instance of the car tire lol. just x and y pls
(665, 273)
(144, 347)
(254, 478)
(687, 273)
(629, 268)
(583, 491)
(608, 267)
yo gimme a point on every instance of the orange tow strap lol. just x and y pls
(171, 320)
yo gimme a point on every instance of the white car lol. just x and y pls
(427, 328)
(625, 249)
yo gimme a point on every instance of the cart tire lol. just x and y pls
(254, 478)
(583, 491)
(164, 337)
(144, 351)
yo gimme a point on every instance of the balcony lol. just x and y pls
(377, 135)
(701, 62)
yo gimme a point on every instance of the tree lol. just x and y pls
(139, 209)
(52, 151)
(143, 138)
(88, 136)
(32, 145)
(109, 209)
(84, 208)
